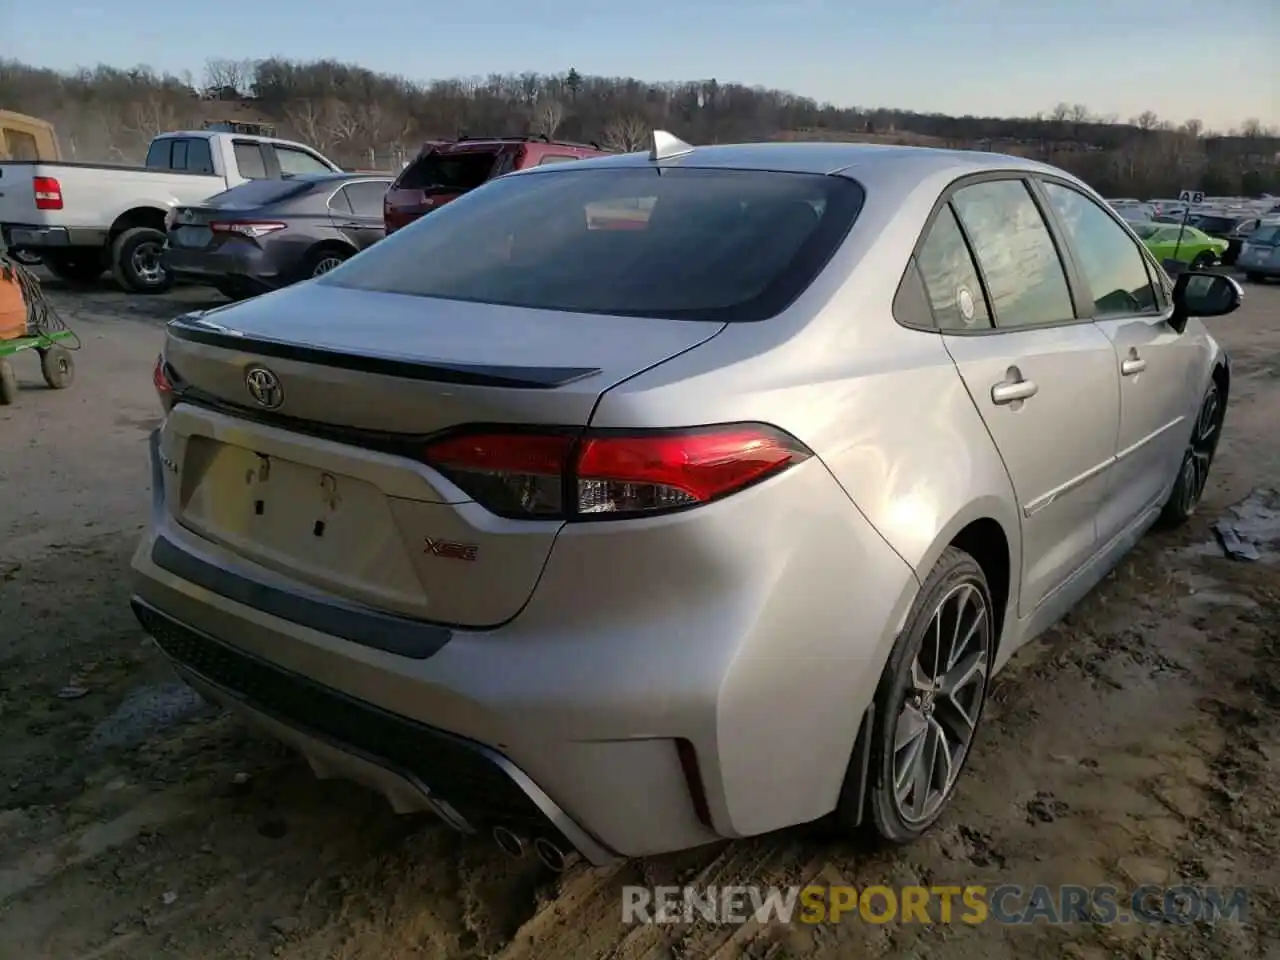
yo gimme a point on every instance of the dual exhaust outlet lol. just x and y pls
(552, 855)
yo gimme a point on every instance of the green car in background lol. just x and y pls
(1196, 247)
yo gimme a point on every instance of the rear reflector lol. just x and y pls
(163, 382)
(48, 193)
(610, 474)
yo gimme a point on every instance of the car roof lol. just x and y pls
(865, 162)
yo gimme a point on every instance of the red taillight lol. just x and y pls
(48, 193)
(610, 474)
(247, 228)
(163, 382)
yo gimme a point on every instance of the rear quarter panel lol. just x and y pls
(882, 405)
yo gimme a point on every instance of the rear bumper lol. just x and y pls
(344, 737)
(1268, 268)
(579, 717)
(245, 264)
(21, 236)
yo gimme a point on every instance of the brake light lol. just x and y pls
(162, 379)
(611, 474)
(247, 228)
(48, 193)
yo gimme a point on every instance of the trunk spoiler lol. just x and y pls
(194, 329)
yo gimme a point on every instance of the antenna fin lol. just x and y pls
(667, 146)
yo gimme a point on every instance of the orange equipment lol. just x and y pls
(14, 314)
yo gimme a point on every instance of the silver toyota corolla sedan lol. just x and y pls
(625, 505)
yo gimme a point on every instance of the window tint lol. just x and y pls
(1111, 262)
(294, 162)
(1025, 278)
(178, 159)
(249, 160)
(340, 203)
(199, 156)
(951, 279)
(698, 244)
(158, 154)
(448, 171)
(366, 197)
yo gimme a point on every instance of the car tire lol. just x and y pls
(1203, 261)
(320, 262)
(76, 269)
(136, 264)
(231, 291)
(1197, 459)
(1253, 277)
(8, 384)
(930, 699)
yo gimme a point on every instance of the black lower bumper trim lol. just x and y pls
(398, 635)
(453, 768)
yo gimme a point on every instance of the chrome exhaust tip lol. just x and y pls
(510, 843)
(552, 856)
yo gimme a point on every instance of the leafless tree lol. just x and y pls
(547, 117)
(627, 133)
(223, 74)
(1147, 120)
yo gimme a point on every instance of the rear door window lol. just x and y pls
(249, 160)
(459, 171)
(951, 279)
(1025, 278)
(199, 156)
(158, 154)
(698, 244)
(366, 197)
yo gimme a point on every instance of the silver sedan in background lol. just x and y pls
(626, 505)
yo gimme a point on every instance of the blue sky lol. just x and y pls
(1180, 58)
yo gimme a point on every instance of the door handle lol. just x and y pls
(1010, 391)
(1133, 365)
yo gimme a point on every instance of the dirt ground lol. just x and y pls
(1137, 742)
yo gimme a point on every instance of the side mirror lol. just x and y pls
(1197, 294)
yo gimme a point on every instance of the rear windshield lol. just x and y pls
(448, 171)
(258, 193)
(728, 245)
(1269, 233)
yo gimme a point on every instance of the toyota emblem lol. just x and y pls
(264, 387)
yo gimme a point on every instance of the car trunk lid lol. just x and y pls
(313, 471)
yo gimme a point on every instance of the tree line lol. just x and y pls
(362, 119)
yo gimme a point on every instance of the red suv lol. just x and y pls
(445, 170)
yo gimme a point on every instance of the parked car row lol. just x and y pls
(238, 211)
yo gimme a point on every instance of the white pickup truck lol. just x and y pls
(83, 218)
